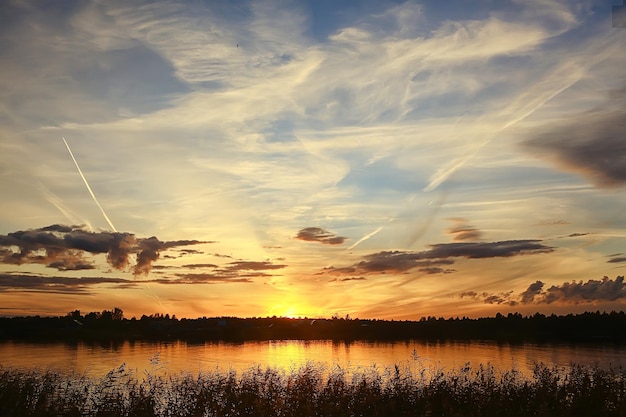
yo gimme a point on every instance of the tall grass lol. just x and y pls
(313, 390)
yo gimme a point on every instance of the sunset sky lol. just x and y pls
(382, 159)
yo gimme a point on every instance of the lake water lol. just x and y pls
(95, 360)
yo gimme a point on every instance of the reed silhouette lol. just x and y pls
(313, 390)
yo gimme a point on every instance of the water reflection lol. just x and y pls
(175, 357)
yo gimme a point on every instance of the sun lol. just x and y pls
(290, 311)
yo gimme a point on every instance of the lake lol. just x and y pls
(95, 360)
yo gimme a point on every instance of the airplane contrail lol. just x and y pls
(364, 238)
(88, 187)
(541, 94)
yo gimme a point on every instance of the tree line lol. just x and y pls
(601, 327)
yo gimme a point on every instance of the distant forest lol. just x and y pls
(513, 328)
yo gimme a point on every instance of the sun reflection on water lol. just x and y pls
(175, 357)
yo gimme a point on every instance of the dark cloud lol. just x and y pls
(347, 279)
(390, 262)
(590, 144)
(190, 252)
(490, 298)
(69, 264)
(461, 232)
(196, 266)
(119, 251)
(205, 278)
(339, 271)
(488, 249)
(59, 228)
(592, 291)
(496, 299)
(431, 261)
(533, 290)
(470, 294)
(162, 267)
(553, 223)
(400, 261)
(577, 234)
(63, 248)
(149, 252)
(253, 266)
(234, 272)
(617, 260)
(585, 292)
(436, 270)
(35, 283)
(317, 234)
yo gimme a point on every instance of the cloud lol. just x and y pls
(462, 231)
(63, 248)
(490, 298)
(533, 290)
(586, 292)
(317, 234)
(389, 262)
(233, 272)
(71, 263)
(347, 279)
(488, 249)
(590, 144)
(252, 266)
(354, 279)
(236, 272)
(190, 252)
(34, 283)
(436, 270)
(618, 259)
(429, 261)
(205, 278)
(553, 223)
(590, 292)
(331, 270)
(195, 266)
(577, 234)
(149, 252)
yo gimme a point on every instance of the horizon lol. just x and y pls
(168, 316)
(391, 159)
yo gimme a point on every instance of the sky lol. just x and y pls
(378, 159)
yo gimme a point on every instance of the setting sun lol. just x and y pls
(286, 310)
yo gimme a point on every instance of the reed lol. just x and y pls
(314, 390)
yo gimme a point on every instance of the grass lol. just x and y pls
(313, 390)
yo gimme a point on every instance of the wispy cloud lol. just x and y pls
(462, 231)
